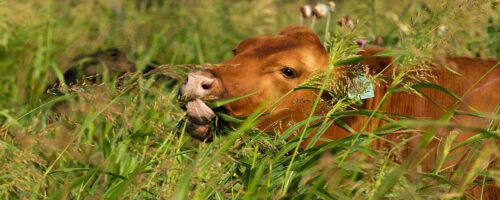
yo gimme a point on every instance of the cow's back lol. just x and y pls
(475, 80)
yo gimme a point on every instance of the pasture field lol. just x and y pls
(126, 140)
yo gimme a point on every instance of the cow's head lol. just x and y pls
(271, 66)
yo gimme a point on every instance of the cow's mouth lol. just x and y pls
(199, 117)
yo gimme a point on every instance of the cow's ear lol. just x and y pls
(376, 64)
(301, 32)
(289, 30)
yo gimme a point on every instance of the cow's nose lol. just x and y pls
(198, 85)
(207, 84)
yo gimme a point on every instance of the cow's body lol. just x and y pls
(483, 97)
(273, 65)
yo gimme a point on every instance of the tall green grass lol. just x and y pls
(128, 142)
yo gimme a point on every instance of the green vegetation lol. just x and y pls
(127, 142)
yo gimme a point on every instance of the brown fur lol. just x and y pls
(257, 63)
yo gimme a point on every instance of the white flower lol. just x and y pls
(379, 40)
(320, 10)
(345, 21)
(332, 6)
(306, 11)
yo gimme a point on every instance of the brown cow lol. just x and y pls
(274, 65)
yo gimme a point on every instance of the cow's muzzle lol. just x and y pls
(199, 87)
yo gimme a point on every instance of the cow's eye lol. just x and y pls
(234, 51)
(289, 72)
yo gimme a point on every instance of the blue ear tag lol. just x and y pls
(362, 88)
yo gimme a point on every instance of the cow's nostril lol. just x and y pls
(207, 85)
